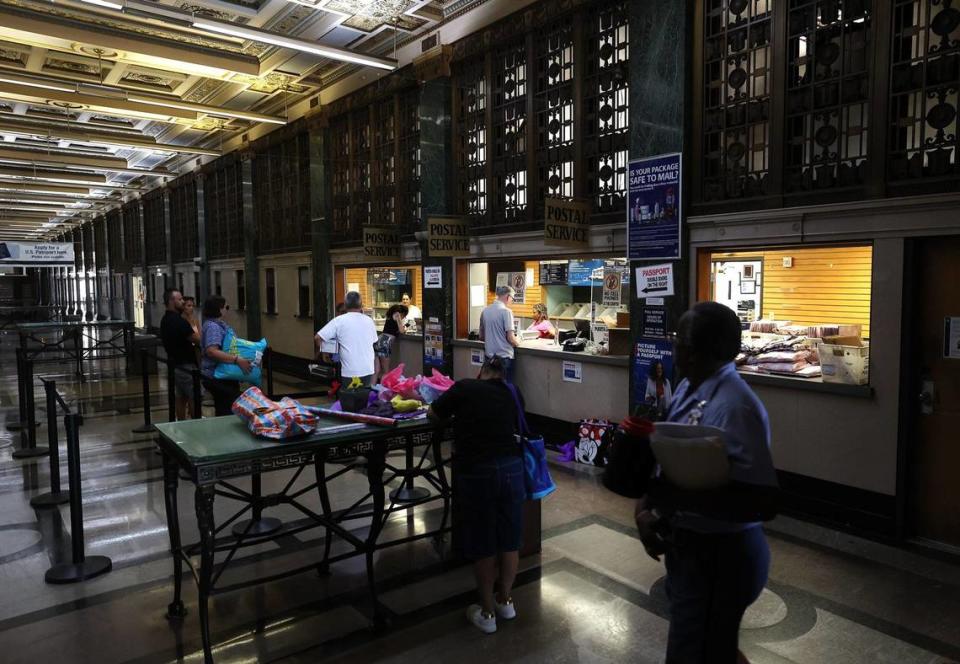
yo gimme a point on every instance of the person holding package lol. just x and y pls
(355, 334)
(215, 330)
(489, 491)
(717, 557)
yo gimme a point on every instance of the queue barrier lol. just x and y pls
(27, 407)
(81, 567)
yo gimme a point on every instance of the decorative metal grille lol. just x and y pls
(281, 194)
(132, 233)
(554, 107)
(183, 220)
(827, 94)
(88, 250)
(408, 174)
(155, 235)
(737, 81)
(924, 84)
(509, 127)
(471, 134)
(361, 202)
(223, 210)
(342, 228)
(100, 243)
(118, 258)
(384, 163)
(605, 105)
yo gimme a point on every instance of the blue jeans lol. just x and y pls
(489, 515)
(711, 580)
(509, 365)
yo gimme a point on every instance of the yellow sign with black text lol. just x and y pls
(381, 242)
(566, 223)
(448, 236)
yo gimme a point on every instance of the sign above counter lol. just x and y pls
(36, 254)
(566, 223)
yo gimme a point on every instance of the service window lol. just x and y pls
(382, 287)
(270, 277)
(805, 311)
(303, 291)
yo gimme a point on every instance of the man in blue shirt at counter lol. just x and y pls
(718, 559)
(496, 331)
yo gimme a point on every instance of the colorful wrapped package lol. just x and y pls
(276, 420)
(248, 350)
(431, 387)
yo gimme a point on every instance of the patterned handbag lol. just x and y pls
(276, 420)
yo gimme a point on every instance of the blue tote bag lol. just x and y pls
(536, 474)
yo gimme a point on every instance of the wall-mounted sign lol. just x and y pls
(36, 254)
(655, 281)
(566, 223)
(654, 321)
(519, 282)
(432, 276)
(476, 357)
(381, 242)
(448, 236)
(572, 372)
(612, 278)
(653, 208)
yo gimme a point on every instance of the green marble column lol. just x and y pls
(660, 77)
(436, 158)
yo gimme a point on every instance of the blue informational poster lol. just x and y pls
(653, 208)
(647, 355)
(585, 273)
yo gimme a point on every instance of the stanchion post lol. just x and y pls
(29, 440)
(21, 399)
(147, 426)
(171, 392)
(55, 496)
(407, 492)
(197, 394)
(81, 567)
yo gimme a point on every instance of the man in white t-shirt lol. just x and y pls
(355, 335)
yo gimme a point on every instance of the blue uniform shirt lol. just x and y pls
(725, 401)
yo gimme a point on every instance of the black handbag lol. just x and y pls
(630, 461)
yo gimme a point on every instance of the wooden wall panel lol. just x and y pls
(534, 294)
(825, 284)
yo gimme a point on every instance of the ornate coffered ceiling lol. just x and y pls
(152, 84)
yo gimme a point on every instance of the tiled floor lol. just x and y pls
(591, 596)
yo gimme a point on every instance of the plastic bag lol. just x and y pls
(392, 377)
(401, 405)
(248, 350)
(409, 388)
(431, 387)
(276, 420)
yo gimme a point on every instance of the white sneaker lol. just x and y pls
(486, 624)
(506, 610)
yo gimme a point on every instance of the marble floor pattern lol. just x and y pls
(592, 595)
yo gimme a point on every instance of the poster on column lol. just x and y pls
(612, 278)
(433, 344)
(653, 208)
(649, 357)
(432, 276)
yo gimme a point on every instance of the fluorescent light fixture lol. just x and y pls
(209, 110)
(104, 3)
(41, 188)
(32, 83)
(295, 44)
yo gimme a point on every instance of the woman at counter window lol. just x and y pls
(541, 323)
(412, 319)
(383, 349)
(659, 392)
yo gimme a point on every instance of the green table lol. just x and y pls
(213, 451)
